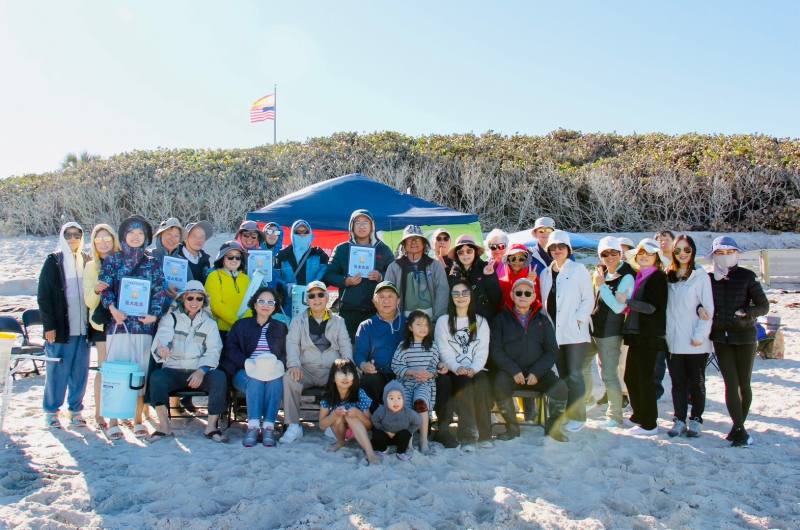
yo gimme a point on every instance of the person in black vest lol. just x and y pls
(613, 281)
(738, 301)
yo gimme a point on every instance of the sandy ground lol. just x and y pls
(600, 479)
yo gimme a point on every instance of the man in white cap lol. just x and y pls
(542, 228)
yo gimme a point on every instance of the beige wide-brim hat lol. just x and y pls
(650, 246)
(465, 240)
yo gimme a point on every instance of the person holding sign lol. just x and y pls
(273, 235)
(356, 268)
(227, 285)
(299, 263)
(135, 297)
(192, 249)
(166, 244)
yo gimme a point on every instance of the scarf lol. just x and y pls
(641, 277)
(723, 264)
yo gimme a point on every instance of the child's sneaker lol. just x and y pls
(51, 420)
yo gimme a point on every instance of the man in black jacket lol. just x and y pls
(65, 320)
(523, 348)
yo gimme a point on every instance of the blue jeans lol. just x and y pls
(69, 375)
(263, 397)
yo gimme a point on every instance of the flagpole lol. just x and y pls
(275, 120)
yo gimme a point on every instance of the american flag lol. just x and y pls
(263, 109)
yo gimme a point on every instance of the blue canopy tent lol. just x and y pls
(327, 207)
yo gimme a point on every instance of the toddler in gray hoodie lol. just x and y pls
(394, 423)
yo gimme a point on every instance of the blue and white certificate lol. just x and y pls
(176, 272)
(362, 260)
(299, 302)
(260, 260)
(134, 297)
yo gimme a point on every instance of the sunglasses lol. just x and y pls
(525, 294)
(682, 250)
(250, 235)
(195, 298)
(312, 296)
(558, 246)
(609, 253)
(465, 250)
(73, 235)
(301, 232)
(518, 259)
(500, 246)
(233, 258)
(443, 238)
(460, 294)
(272, 232)
(267, 303)
(104, 239)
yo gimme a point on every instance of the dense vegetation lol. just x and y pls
(587, 182)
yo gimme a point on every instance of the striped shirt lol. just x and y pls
(414, 358)
(263, 346)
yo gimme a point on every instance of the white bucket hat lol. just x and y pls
(609, 243)
(544, 222)
(556, 237)
(265, 367)
(650, 246)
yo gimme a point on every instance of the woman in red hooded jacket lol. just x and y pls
(517, 265)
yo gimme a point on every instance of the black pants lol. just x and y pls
(736, 365)
(473, 405)
(641, 387)
(381, 440)
(167, 380)
(549, 383)
(373, 385)
(352, 318)
(569, 363)
(659, 372)
(688, 374)
(444, 403)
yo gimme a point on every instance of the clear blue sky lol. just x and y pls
(108, 76)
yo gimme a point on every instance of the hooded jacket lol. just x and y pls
(52, 296)
(435, 278)
(404, 420)
(278, 244)
(683, 323)
(506, 278)
(291, 271)
(358, 297)
(227, 293)
(92, 271)
(134, 263)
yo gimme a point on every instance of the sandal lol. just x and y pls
(216, 436)
(158, 435)
(139, 430)
(51, 420)
(113, 433)
(77, 421)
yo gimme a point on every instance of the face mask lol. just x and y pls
(727, 261)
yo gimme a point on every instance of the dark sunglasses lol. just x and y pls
(518, 259)
(194, 298)
(682, 250)
(233, 258)
(500, 246)
(316, 295)
(268, 303)
(250, 235)
(443, 238)
(609, 253)
(525, 294)
(558, 246)
(73, 235)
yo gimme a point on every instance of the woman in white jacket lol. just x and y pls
(462, 337)
(688, 332)
(568, 300)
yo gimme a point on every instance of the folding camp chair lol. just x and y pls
(31, 352)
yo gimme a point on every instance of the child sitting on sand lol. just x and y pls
(415, 363)
(345, 408)
(393, 423)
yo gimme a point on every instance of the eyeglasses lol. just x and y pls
(312, 296)
(250, 235)
(499, 246)
(195, 298)
(460, 294)
(465, 250)
(272, 232)
(682, 250)
(609, 253)
(443, 237)
(524, 294)
(518, 259)
(104, 239)
(558, 246)
(233, 258)
(73, 235)
(267, 303)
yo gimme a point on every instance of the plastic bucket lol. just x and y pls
(7, 343)
(121, 384)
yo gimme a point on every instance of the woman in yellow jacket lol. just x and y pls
(226, 286)
(104, 242)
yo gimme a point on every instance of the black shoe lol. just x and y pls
(512, 431)
(730, 434)
(603, 400)
(741, 438)
(445, 438)
(188, 406)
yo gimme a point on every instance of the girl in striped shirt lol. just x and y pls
(416, 363)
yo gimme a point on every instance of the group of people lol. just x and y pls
(448, 327)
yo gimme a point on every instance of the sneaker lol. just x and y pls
(250, 437)
(641, 431)
(678, 428)
(294, 432)
(268, 438)
(611, 424)
(468, 448)
(730, 434)
(405, 457)
(628, 423)
(574, 426)
(694, 428)
(741, 438)
(51, 420)
(486, 444)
